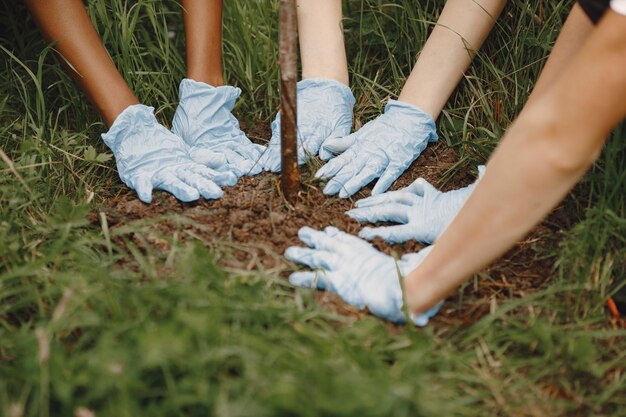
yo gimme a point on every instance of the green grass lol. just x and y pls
(88, 319)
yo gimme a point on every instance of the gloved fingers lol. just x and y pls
(347, 240)
(419, 187)
(253, 155)
(391, 234)
(241, 165)
(336, 183)
(221, 178)
(423, 319)
(207, 188)
(339, 133)
(348, 170)
(208, 157)
(360, 180)
(304, 155)
(336, 164)
(240, 137)
(270, 160)
(143, 187)
(410, 261)
(389, 176)
(210, 191)
(172, 184)
(324, 240)
(255, 167)
(332, 231)
(389, 212)
(311, 136)
(225, 179)
(313, 258)
(391, 197)
(311, 279)
(260, 148)
(238, 151)
(324, 154)
(335, 145)
(249, 150)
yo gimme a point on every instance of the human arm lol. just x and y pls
(204, 117)
(547, 150)
(459, 33)
(371, 279)
(324, 99)
(575, 31)
(425, 212)
(87, 62)
(147, 155)
(203, 40)
(386, 146)
(320, 33)
(422, 211)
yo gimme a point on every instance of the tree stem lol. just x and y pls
(288, 61)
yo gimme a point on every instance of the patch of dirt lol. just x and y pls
(254, 223)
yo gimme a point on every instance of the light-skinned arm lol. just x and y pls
(460, 31)
(320, 33)
(325, 102)
(423, 211)
(575, 32)
(386, 146)
(554, 141)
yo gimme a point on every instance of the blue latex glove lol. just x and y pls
(424, 211)
(149, 156)
(385, 147)
(324, 113)
(356, 271)
(205, 121)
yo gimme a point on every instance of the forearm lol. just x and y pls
(548, 149)
(460, 31)
(203, 35)
(575, 31)
(320, 32)
(87, 61)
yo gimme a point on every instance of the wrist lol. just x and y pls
(190, 85)
(328, 74)
(419, 294)
(425, 105)
(213, 79)
(338, 91)
(419, 120)
(130, 118)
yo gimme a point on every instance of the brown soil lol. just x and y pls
(253, 225)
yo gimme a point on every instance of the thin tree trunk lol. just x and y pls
(288, 60)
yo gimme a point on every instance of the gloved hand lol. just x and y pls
(423, 211)
(149, 156)
(356, 271)
(205, 122)
(385, 147)
(324, 112)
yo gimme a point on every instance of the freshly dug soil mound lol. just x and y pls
(255, 225)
